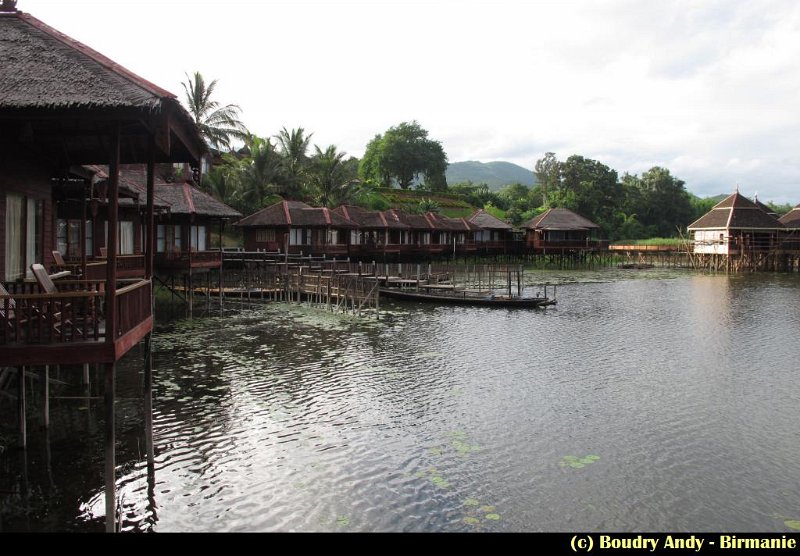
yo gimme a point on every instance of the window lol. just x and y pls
(161, 238)
(126, 238)
(299, 236)
(265, 236)
(333, 237)
(198, 238)
(177, 242)
(24, 234)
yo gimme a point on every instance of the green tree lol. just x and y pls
(219, 125)
(293, 146)
(331, 180)
(258, 173)
(665, 205)
(402, 155)
(548, 176)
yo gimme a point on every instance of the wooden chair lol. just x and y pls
(58, 312)
(103, 253)
(60, 267)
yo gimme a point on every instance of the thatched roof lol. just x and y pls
(413, 221)
(295, 214)
(560, 219)
(59, 92)
(369, 219)
(185, 198)
(488, 222)
(450, 224)
(791, 219)
(736, 212)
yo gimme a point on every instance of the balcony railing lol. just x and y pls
(182, 260)
(128, 266)
(76, 314)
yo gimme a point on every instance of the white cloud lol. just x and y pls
(687, 84)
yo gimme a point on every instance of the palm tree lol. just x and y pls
(217, 124)
(331, 179)
(259, 172)
(293, 146)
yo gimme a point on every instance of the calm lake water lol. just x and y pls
(682, 388)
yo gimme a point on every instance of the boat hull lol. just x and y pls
(496, 301)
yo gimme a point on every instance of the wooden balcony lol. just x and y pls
(569, 245)
(182, 261)
(70, 327)
(128, 266)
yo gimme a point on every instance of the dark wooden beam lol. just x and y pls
(113, 243)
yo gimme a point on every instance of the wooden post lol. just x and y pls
(148, 400)
(112, 246)
(149, 247)
(111, 486)
(47, 396)
(23, 431)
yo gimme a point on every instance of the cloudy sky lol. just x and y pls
(707, 88)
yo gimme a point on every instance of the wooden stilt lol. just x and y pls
(23, 432)
(47, 396)
(111, 483)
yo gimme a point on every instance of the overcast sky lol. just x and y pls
(707, 88)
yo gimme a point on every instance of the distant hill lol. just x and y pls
(493, 174)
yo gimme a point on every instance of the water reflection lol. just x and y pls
(268, 417)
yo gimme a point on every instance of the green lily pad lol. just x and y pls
(493, 517)
(471, 520)
(458, 434)
(792, 524)
(471, 502)
(440, 482)
(343, 521)
(435, 451)
(487, 509)
(576, 465)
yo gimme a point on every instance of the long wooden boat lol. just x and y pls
(464, 298)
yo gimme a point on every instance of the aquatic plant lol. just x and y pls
(576, 462)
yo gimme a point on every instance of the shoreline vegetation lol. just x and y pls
(404, 168)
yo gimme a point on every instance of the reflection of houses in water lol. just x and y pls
(738, 234)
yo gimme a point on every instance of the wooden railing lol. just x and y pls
(128, 266)
(134, 305)
(74, 314)
(181, 259)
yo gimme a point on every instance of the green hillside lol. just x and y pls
(493, 174)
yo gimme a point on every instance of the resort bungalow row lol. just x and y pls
(297, 228)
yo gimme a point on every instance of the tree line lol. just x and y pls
(267, 169)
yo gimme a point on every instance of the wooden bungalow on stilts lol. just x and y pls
(296, 228)
(561, 231)
(63, 105)
(495, 237)
(379, 234)
(736, 234)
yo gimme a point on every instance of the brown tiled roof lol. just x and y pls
(185, 198)
(560, 219)
(368, 219)
(295, 213)
(736, 212)
(487, 221)
(791, 219)
(179, 198)
(451, 224)
(413, 221)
